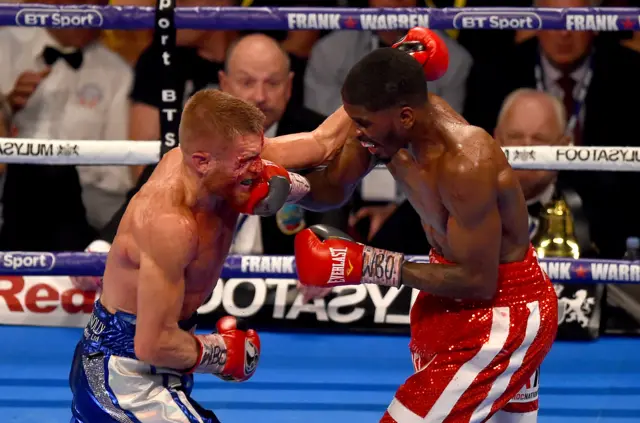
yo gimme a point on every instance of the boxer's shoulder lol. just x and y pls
(472, 150)
(170, 236)
(468, 172)
(158, 217)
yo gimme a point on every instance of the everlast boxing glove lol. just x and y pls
(428, 49)
(273, 189)
(232, 354)
(327, 257)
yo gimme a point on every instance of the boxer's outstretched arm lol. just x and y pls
(310, 149)
(167, 245)
(474, 234)
(333, 185)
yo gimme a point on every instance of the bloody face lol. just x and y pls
(230, 172)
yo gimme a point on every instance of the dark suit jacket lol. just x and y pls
(610, 120)
(274, 241)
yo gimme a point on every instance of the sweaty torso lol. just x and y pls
(421, 175)
(164, 193)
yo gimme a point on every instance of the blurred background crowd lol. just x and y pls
(523, 87)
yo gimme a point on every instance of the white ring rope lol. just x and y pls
(72, 152)
(100, 152)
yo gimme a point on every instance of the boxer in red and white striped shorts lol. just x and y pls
(472, 358)
(486, 317)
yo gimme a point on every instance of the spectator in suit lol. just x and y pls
(333, 56)
(62, 84)
(258, 70)
(568, 64)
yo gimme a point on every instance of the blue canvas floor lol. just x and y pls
(323, 378)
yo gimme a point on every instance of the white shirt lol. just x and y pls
(248, 239)
(90, 103)
(551, 76)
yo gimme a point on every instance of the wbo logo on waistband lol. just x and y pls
(290, 219)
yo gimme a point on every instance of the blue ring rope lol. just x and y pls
(565, 270)
(305, 18)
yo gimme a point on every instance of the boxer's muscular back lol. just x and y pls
(437, 178)
(159, 210)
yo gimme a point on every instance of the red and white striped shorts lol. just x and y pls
(473, 359)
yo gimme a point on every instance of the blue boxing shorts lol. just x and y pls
(110, 385)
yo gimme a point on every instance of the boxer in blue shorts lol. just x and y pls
(136, 358)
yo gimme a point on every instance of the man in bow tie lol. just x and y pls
(62, 84)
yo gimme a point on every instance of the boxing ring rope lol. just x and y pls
(306, 18)
(100, 152)
(565, 270)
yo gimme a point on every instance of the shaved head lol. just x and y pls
(258, 70)
(529, 104)
(259, 49)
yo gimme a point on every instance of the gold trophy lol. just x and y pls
(555, 237)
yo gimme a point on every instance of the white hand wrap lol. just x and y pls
(212, 354)
(381, 267)
(299, 188)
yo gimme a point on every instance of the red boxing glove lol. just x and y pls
(428, 49)
(232, 354)
(326, 257)
(273, 188)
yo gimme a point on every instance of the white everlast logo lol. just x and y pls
(338, 256)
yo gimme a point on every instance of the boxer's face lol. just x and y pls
(381, 132)
(233, 169)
